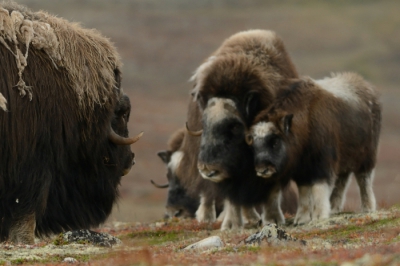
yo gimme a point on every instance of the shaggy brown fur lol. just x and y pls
(252, 62)
(176, 140)
(334, 132)
(67, 45)
(58, 169)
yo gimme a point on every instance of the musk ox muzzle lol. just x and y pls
(265, 171)
(212, 172)
(130, 163)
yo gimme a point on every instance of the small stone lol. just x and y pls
(271, 233)
(160, 224)
(210, 242)
(70, 260)
(95, 238)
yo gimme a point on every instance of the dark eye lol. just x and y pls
(235, 129)
(274, 142)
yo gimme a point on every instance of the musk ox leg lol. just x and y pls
(365, 180)
(22, 231)
(206, 212)
(252, 217)
(272, 209)
(338, 196)
(321, 205)
(303, 214)
(233, 217)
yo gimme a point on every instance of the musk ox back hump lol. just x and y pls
(77, 50)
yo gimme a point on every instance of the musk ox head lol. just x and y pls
(119, 136)
(179, 203)
(280, 131)
(268, 140)
(222, 147)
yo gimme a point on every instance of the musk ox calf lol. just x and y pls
(318, 133)
(63, 138)
(237, 81)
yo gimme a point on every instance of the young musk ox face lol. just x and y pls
(270, 147)
(179, 204)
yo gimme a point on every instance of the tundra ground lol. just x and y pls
(355, 239)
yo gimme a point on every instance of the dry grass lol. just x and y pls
(358, 238)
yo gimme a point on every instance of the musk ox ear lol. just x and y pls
(165, 156)
(287, 123)
(252, 102)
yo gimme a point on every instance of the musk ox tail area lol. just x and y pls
(61, 88)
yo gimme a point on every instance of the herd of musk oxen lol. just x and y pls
(253, 126)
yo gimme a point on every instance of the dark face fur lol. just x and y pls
(179, 204)
(269, 147)
(223, 149)
(119, 123)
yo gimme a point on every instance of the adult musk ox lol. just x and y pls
(318, 133)
(63, 137)
(179, 203)
(237, 81)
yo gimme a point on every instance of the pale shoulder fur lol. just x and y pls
(345, 86)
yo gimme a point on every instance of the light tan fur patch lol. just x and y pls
(220, 108)
(3, 102)
(343, 86)
(262, 129)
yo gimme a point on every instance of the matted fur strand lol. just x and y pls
(80, 51)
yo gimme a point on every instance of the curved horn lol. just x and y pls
(193, 133)
(119, 140)
(249, 139)
(159, 186)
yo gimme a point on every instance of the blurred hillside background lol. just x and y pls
(161, 43)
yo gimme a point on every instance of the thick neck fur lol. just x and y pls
(327, 123)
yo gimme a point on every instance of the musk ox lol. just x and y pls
(179, 203)
(63, 138)
(237, 81)
(318, 133)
